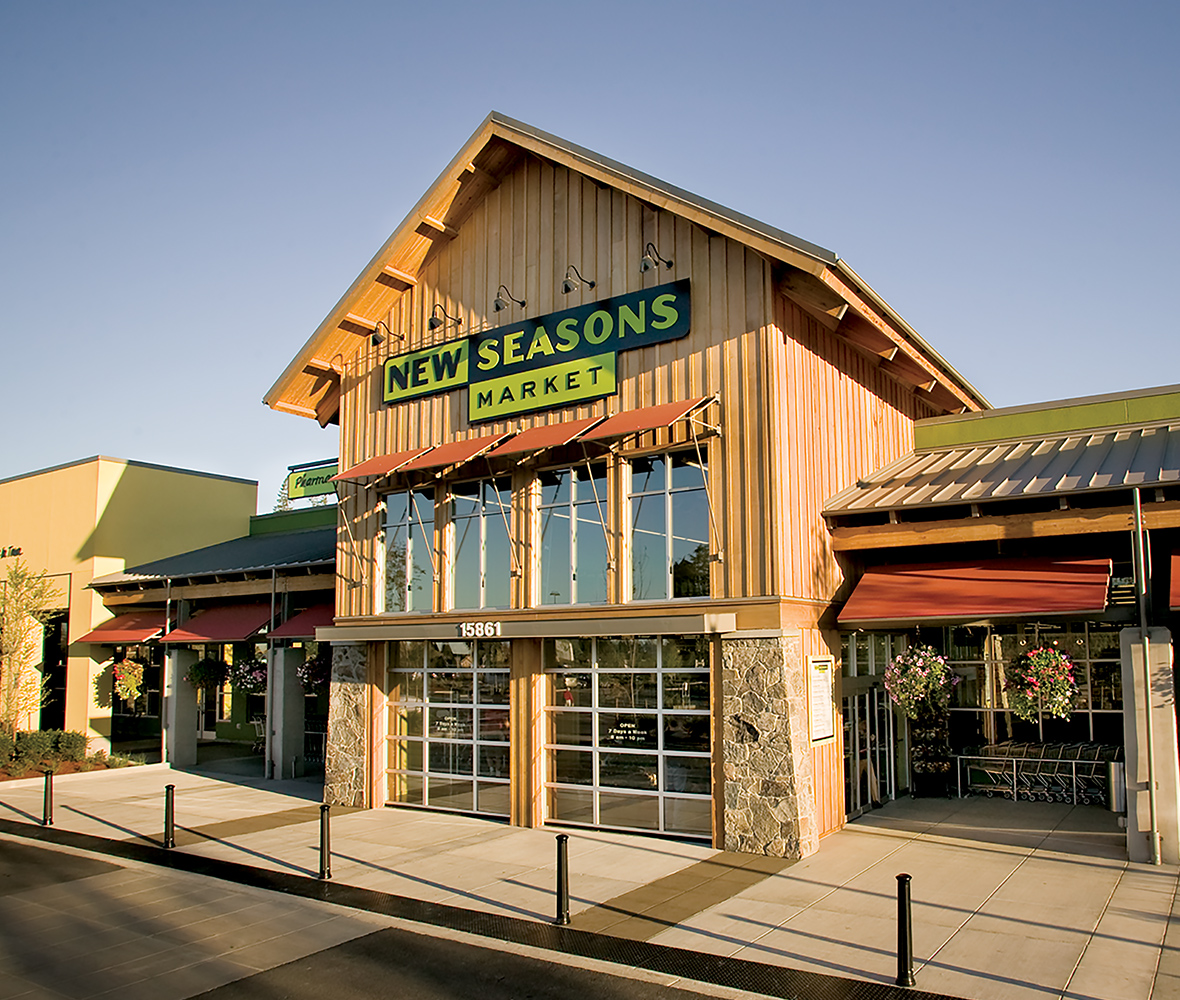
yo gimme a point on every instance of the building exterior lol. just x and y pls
(1048, 525)
(588, 425)
(252, 602)
(92, 517)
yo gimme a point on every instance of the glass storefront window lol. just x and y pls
(629, 733)
(448, 727)
(575, 561)
(409, 563)
(669, 527)
(481, 558)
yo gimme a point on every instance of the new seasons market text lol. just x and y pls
(545, 362)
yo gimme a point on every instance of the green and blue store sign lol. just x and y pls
(546, 362)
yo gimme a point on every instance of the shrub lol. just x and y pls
(33, 747)
(19, 768)
(71, 745)
(6, 747)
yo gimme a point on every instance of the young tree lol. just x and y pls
(283, 500)
(26, 601)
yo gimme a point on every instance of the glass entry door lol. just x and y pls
(870, 763)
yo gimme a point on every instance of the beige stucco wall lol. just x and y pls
(99, 516)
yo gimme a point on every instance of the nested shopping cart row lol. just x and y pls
(1050, 772)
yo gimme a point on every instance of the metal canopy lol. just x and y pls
(1061, 464)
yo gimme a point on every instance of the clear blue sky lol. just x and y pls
(187, 189)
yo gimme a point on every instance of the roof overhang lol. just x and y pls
(311, 383)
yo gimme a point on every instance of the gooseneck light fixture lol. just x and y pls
(436, 321)
(501, 302)
(377, 338)
(569, 283)
(651, 256)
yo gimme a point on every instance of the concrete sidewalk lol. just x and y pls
(1010, 899)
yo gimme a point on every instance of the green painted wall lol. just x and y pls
(1042, 420)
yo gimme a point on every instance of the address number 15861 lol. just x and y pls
(480, 630)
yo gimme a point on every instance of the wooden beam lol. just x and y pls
(859, 332)
(320, 368)
(433, 228)
(813, 297)
(1049, 524)
(235, 588)
(396, 279)
(472, 172)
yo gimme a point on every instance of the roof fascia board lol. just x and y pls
(407, 226)
(1109, 411)
(923, 348)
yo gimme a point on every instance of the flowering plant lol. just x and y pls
(315, 672)
(128, 679)
(248, 676)
(1040, 680)
(206, 673)
(920, 682)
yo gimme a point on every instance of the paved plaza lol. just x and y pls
(1011, 900)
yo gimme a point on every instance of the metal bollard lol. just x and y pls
(169, 816)
(905, 934)
(47, 801)
(325, 843)
(563, 879)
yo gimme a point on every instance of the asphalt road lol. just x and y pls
(395, 963)
(78, 926)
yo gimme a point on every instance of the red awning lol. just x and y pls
(647, 419)
(231, 623)
(1174, 589)
(304, 624)
(966, 591)
(382, 465)
(540, 438)
(455, 453)
(125, 630)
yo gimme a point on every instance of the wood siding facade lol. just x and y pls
(805, 396)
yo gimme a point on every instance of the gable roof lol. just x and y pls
(817, 279)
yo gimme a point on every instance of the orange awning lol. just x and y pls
(382, 465)
(1174, 588)
(304, 624)
(124, 630)
(967, 591)
(455, 453)
(231, 623)
(650, 418)
(540, 438)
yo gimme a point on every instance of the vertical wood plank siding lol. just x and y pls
(801, 412)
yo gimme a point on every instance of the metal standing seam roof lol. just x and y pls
(1057, 465)
(249, 554)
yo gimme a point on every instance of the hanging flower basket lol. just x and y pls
(1040, 681)
(206, 673)
(249, 676)
(128, 679)
(315, 673)
(920, 682)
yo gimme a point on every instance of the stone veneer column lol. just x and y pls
(346, 764)
(769, 801)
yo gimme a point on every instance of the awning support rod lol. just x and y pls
(1141, 589)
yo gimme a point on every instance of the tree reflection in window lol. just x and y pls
(409, 559)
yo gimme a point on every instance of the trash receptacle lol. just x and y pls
(1116, 786)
